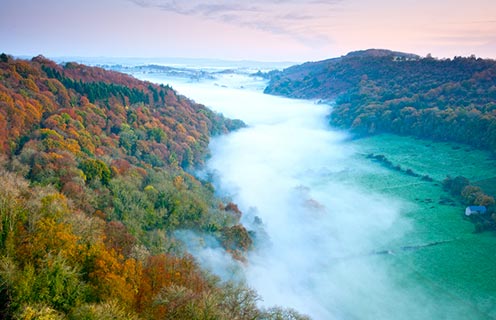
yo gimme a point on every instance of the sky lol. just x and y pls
(264, 30)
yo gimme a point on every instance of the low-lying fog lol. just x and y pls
(325, 248)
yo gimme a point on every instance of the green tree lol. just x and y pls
(95, 169)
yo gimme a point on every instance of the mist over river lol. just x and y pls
(328, 243)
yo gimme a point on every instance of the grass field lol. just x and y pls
(459, 266)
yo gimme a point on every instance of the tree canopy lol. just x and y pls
(383, 91)
(93, 168)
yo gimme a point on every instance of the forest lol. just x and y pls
(95, 168)
(376, 91)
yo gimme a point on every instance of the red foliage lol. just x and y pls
(118, 238)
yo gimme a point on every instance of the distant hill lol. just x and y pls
(94, 184)
(386, 91)
(329, 78)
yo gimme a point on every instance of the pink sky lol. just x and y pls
(271, 30)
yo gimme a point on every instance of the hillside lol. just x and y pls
(93, 168)
(385, 91)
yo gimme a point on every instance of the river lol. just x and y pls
(328, 244)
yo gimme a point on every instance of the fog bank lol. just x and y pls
(326, 250)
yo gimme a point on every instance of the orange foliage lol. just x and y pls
(115, 277)
(49, 235)
(163, 271)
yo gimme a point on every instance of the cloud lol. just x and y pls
(292, 18)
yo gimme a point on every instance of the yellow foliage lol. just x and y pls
(54, 156)
(29, 83)
(39, 312)
(72, 146)
(178, 182)
(180, 129)
(4, 97)
(45, 133)
(50, 237)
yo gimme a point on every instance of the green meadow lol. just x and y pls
(440, 252)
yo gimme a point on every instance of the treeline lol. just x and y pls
(383, 91)
(93, 191)
(470, 195)
(383, 160)
(100, 90)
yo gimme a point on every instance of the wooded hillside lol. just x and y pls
(94, 185)
(384, 91)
